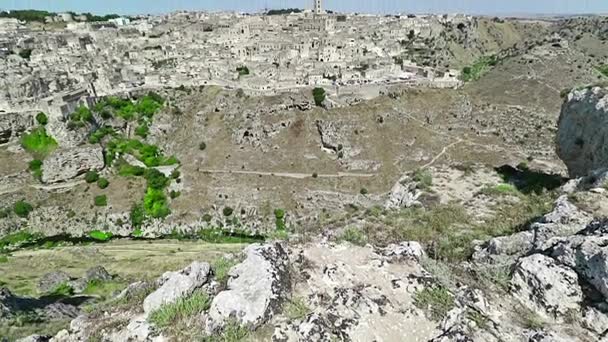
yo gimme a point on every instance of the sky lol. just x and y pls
(490, 7)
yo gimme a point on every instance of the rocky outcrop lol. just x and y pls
(50, 281)
(175, 285)
(13, 124)
(404, 194)
(66, 164)
(583, 131)
(546, 287)
(564, 220)
(256, 289)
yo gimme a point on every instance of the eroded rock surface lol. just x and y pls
(63, 165)
(583, 131)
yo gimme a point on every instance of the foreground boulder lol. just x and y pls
(546, 287)
(175, 285)
(256, 288)
(583, 131)
(66, 164)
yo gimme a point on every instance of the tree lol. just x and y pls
(319, 96)
(42, 119)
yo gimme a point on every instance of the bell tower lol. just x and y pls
(318, 7)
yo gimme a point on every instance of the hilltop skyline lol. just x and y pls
(362, 6)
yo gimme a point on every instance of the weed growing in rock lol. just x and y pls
(35, 166)
(435, 301)
(232, 332)
(354, 236)
(500, 189)
(182, 309)
(221, 266)
(296, 309)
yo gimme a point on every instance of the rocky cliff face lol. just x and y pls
(583, 131)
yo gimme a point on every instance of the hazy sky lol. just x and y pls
(367, 6)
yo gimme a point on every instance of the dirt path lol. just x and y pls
(295, 175)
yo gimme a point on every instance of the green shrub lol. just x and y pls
(424, 178)
(3, 259)
(138, 233)
(436, 301)
(62, 290)
(182, 309)
(319, 96)
(25, 53)
(22, 209)
(103, 183)
(207, 218)
(138, 216)
(38, 143)
(100, 133)
(174, 194)
(500, 189)
(242, 70)
(82, 114)
(227, 211)
(202, 146)
(91, 176)
(42, 119)
(603, 69)
(175, 174)
(35, 166)
(155, 203)
(127, 170)
(480, 67)
(100, 236)
(279, 213)
(103, 289)
(156, 179)
(101, 201)
(363, 191)
(18, 238)
(354, 236)
(231, 332)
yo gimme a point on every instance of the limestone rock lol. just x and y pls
(50, 281)
(98, 273)
(35, 338)
(13, 124)
(546, 287)
(583, 131)
(405, 250)
(174, 285)
(66, 164)
(256, 288)
(587, 253)
(404, 194)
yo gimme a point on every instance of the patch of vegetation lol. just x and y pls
(100, 236)
(363, 191)
(354, 236)
(424, 177)
(62, 290)
(603, 69)
(227, 211)
(103, 289)
(27, 15)
(42, 119)
(530, 319)
(218, 235)
(221, 266)
(81, 115)
(103, 183)
(137, 216)
(480, 320)
(127, 170)
(35, 167)
(480, 67)
(319, 96)
(3, 259)
(18, 238)
(500, 189)
(25, 53)
(279, 215)
(182, 309)
(38, 143)
(101, 201)
(91, 176)
(242, 70)
(231, 332)
(296, 309)
(102, 132)
(22, 209)
(202, 146)
(283, 11)
(529, 181)
(155, 203)
(435, 301)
